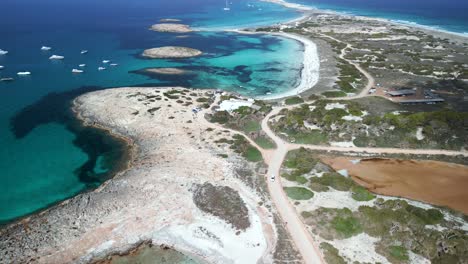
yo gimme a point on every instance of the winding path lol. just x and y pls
(370, 80)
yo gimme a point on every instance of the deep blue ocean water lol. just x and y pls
(449, 15)
(45, 156)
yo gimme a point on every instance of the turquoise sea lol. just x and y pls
(45, 155)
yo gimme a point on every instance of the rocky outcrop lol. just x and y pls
(171, 27)
(171, 52)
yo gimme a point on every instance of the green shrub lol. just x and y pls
(334, 180)
(294, 100)
(399, 253)
(265, 143)
(333, 94)
(298, 193)
(361, 194)
(346, 225)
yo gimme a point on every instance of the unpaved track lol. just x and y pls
(275, 158)
(370, 80)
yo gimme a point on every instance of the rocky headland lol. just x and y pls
(166, 195)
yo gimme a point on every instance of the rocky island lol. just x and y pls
(171, 27)
(171, 52)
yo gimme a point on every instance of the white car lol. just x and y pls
(272, 178)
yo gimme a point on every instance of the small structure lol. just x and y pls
(403, 92)
(423, 101)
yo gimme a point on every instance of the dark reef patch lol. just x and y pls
(98, 145)
(188, 79)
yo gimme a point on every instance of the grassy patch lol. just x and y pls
(240, 145)
(334, 180)
(252, 154)
(220, 117)
(298, 193)
(399, 253)
(313, 138)
(317, 187)
(332, 255)
(300, 159)
(251, 126)
(361, 194)
(334, 94)
(294, 100)
(346, 224)
(265, 142)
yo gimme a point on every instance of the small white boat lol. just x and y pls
(8, 79)
(24, 73)
(56, 57)
(227, 7)
(45, 48)
(101, 68)
(113, 64)
(1, 67)
(105, 61)
(77, 71)
(84, 52)
(3, 52)
(82, 65)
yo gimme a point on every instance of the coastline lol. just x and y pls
(310, 72)
(152, 200)
(310, 65)
(397, 22)
(124, 163)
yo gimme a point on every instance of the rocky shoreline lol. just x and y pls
(153, 200)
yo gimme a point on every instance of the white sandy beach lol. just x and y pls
(310, 69)
(289, 5)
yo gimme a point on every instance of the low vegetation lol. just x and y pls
(293, 100)
(355, 122)
(400, 226)
(246, 119)
(298, 193)
(223, 202)
(331, 254)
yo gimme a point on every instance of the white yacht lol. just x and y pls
(82, 65)
(101, 68)
(1, 67)
(227, 7)
(105, 61)
(45, 48)
(77, 71)
(24, 73)
(113, 64)
(56, 57)
(8, 79)
(3, 52)
(84, 52)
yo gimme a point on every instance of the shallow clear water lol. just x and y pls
(45, 156)
(450, 15)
